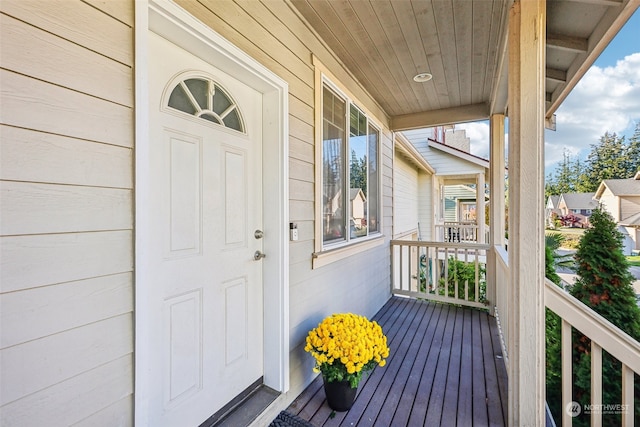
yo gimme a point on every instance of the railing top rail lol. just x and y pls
(611, 338)
(457, 223)
(422, 243)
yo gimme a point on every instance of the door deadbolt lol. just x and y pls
(258, 234)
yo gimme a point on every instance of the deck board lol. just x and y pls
(445, 368)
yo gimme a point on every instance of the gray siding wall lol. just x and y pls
(446, 164)
(405, 197)
(66, 202)
(426, 206)
(66, 290)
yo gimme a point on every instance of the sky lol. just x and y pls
(607, 98)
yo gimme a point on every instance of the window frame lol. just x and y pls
(334, 251)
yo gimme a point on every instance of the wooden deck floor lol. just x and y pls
(445, 368)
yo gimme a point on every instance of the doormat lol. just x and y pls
(285, 419)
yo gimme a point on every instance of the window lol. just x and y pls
(205, 99)
(350, 172)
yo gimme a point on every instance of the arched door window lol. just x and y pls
(204, 98)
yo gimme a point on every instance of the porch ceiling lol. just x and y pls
(385, 43)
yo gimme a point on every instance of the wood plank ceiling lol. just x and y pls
(462, 43)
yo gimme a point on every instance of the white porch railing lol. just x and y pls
(456, 273)
(460, 232)
(447, 272)
(604, 335)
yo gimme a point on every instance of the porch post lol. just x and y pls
(527, 27)
(480, 218)
(496, 205)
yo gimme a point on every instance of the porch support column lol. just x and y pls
(496, 181)
(496, 205)
(480, 217)
(527, 27)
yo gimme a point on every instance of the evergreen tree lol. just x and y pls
(633, 153)
(604, 284)
(358, 172)
(606, 160)
(580, 179)
(552, 332)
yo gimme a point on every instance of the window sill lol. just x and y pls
(320, 259)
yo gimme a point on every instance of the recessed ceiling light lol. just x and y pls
(422, 77)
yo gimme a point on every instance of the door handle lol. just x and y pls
(258, 255)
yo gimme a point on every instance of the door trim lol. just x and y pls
(177, 25)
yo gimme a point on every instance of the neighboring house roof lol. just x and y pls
(578, 200)
(620, 187)
(632, 221)
(459, 153)
(461, 191)
(354, 192)
(405, 146)
(552, 205)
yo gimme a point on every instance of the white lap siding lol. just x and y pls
(67, 200)
(405, 197)
(66, 203)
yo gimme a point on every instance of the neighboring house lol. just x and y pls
(456, 170)
(156, 153)
(358, 207)
(413, 200)
(551, 210)
(621, 198)
(578, 205)
(460, 203)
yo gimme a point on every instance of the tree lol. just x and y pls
(611, 158)
(604, 284)
(562, 181)
(633, 153)
(358, 172)
(552, 332)
(607, 160)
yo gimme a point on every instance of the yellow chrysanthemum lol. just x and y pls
(346, 345)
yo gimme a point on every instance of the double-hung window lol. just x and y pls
(350, 172)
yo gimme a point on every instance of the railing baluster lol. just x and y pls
(445, 267)
(456, 274)
(567, 374)
(430, 269)
(409, 258)
(596, 384)
(401, 266)
(628, 413)
(466, 281)
(477, 277)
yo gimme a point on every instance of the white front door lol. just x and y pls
(205, 305)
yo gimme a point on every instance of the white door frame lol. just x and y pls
(177, 25)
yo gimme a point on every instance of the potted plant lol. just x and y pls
(345, 346)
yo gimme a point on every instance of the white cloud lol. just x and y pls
(606, 99)
(479, 134)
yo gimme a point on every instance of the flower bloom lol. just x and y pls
(345, 345)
